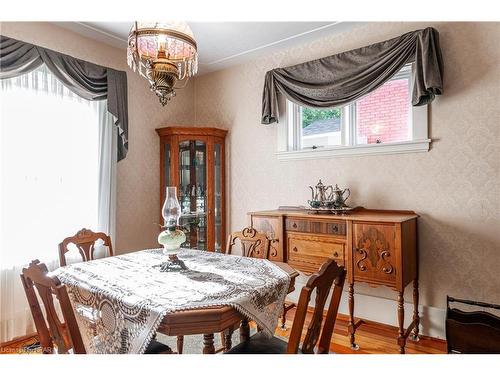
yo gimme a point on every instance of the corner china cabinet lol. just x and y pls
(192, 159)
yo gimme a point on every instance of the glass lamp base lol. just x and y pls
(171, 239)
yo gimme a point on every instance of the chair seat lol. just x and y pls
(156, 347)
(260, 344)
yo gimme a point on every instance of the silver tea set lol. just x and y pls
(325, 197)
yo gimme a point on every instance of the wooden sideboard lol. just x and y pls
(377, 247)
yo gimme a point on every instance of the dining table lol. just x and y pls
(121, 302)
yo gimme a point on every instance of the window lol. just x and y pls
(383, 121)
(50, 167)
(57, 152)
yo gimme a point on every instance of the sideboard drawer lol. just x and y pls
(307, 253)
(297, 225)
(336, 228)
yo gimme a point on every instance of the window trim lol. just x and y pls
(289, 143)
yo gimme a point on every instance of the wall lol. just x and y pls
(138, 182)
(454, 187)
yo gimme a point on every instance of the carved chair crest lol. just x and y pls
(85, 241)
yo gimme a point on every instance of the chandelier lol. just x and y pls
(165, 53)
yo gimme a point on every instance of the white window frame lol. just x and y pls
(288, 132)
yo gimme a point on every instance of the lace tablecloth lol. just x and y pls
(120, 301)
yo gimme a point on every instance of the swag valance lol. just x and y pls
(342, 78)
(90, 81)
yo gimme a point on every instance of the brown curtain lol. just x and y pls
(342, 78)
(90, 81)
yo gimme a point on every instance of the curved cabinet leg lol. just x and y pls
(401, 321)
(208, 343)
(352, 328)
(283, 320)
(416, 317)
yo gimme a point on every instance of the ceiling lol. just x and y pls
(224, 44)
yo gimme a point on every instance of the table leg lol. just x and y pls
(208, 343)
(351, 327)
(401, 320)
(244, 330)
(228, 339)
(416, 317)
(180, 344)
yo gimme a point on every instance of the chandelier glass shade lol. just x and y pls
(165, 53)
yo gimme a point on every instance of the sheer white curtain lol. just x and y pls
(57, 175)
(107, 159)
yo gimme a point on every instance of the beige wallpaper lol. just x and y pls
(455, 187)
(138, 181)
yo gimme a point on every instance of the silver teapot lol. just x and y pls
(319, 194)
(337, 196)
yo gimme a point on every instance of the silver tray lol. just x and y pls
(335, 211)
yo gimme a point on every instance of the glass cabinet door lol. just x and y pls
(166, 172)
(218, 197)
(193, 192)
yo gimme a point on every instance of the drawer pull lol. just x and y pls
(336, 255)
(294, 225)
(295, 249)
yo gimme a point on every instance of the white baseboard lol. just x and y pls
(382, 310)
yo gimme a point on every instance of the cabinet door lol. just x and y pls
(218, 204)
(272, 227)
(192, 174)
(374, 253)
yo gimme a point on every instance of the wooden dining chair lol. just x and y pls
(321, 282)
(252, 243)
(85, 241)
(255, 245)
(51, 330)
(64, 336)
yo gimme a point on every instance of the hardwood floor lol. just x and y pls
(372, 337)
(23, 345)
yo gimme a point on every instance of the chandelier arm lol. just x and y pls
(136, 40)
(184, 81)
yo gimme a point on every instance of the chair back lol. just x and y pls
(84, 240)
(253, 244)
(320, 282)
(50, 328)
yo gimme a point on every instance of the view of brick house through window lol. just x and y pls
(383, 116)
